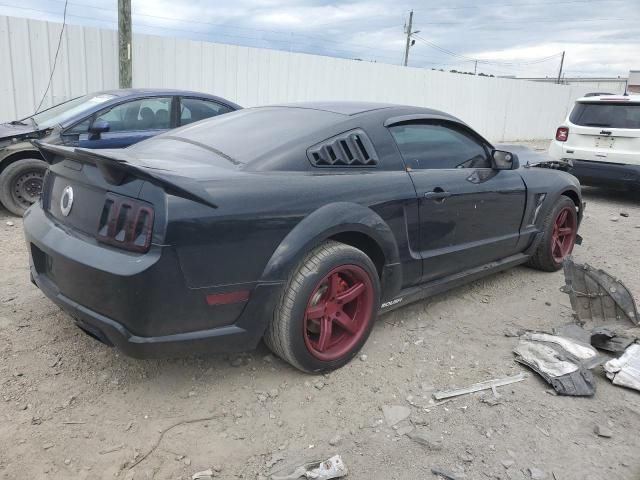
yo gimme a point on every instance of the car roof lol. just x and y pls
(351, 109)
(153, 92)
(610, 99)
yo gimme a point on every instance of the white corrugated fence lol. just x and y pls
(501, 109)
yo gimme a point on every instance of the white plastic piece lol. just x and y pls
(625, 371)
(204, 475)
(332, 468)
(578, 350)
(544, 358)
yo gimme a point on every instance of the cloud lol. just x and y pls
(505, 36)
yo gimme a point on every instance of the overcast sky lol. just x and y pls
(507, 37)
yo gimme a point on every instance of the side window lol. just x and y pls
(436, 146)
(144, 114)
(80, 128)
(194, 109)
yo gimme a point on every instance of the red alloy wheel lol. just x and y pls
(338, 312)
(564, 234)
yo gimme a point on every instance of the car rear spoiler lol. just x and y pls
(116, 167)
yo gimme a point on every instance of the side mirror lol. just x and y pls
(97, 128)
(504, 160)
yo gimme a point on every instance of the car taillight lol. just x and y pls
(126, 223)
(562, 134)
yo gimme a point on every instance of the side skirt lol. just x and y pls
(420, 292)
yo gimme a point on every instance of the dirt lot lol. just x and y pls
(73, 408)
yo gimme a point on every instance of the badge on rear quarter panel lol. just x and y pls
(66, 201)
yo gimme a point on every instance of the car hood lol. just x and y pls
(532, 158)
(8, 130)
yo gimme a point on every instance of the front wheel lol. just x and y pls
(21, 184)
(327, 309)
(560, 229)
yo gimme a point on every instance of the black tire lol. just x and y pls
(543, 258)
(21, 184)
(287, 336)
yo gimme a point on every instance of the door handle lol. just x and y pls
(437, 194)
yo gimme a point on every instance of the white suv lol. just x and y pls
(601, 138)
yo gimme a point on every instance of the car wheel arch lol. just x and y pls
(346, 222)
(19, 155)
(574, 196)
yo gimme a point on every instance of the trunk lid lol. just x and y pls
(111, 196)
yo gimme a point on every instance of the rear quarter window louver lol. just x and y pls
(349, 149)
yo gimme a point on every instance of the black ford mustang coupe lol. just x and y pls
(296, 223)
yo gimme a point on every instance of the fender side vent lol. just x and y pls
(349, 149)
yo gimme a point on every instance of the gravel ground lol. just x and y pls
(73, 408)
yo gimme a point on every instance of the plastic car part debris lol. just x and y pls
(449, 475)
(605, 339)
(625, 371)
(596, 295)
(334, 467)
(476, 387)
(563, 362)
(203, 475)
(574, 331)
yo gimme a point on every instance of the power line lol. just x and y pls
(217, 34)
(519, 5)
(55, 58)
(355, 52)
(486, 62)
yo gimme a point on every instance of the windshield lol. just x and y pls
(64, 111)
(612, 115)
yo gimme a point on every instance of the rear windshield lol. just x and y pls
(613, 115)
(244, 135)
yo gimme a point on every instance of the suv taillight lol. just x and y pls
(562, 134)
(126, 223)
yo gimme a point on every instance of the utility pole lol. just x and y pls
(124, 43)
(475, 68)
(408, 31)
(561, 64)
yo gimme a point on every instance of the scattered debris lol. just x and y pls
(614, 219)
(163, 433)
(335, 440)
(537, 474)
(448, 474)
(275, 458)
(492, 400)
(331, 468)
(596, 295)
(426, 439)
(602, 431)
(203, 475)
(404, 430)
(625, 371)
(604, 338)
(513, 332)
(574, 331)
(112, 449)
(562, 362)
(624, 214)
(394, 414)
(10, 223)
(543, 431)
(476, 387)
(363, 357)
(508, 463)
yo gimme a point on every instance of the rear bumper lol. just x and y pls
(594, 173)
(140, 304)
